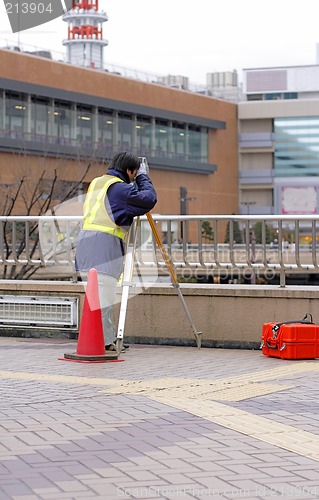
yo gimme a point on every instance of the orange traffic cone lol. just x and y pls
(90, 347)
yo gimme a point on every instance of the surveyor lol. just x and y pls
(111, 203)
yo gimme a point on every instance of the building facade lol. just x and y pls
(279, 141)
(55, 116)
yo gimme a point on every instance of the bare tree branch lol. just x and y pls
(33, 196)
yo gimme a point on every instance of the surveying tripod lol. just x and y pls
(128, 280)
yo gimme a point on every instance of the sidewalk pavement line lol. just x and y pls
(236, 388)
(271, 374)
(277, 434)
(232, 390)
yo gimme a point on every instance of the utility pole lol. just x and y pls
(183, 206)
(183, 200)
(248, 204)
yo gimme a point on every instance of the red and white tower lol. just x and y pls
(85, 42)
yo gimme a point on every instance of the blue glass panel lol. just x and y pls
(296, 147)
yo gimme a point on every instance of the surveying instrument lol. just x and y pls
(127, 282)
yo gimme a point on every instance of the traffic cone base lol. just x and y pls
(79, 357)
(86, 361)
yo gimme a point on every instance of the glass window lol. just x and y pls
(291, 95)
(105, 127)
(254, 97)
(125, 124)
(273, 97)
(143, 135)
(84, 123)
(62, 121)
(204, 145)
(65, 122)
(40, 114)
(16, 108)
(161, 138)
(179, 137)
(196, 138)
(296, 147)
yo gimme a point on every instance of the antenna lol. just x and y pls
(85, 41)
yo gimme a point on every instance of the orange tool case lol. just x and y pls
(291, 339)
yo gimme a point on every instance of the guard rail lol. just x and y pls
(258, 247)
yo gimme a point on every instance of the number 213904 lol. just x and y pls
(27, 8)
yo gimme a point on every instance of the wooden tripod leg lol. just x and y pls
(174, 278)
(128, 277)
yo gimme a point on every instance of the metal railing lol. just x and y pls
(257, 249)
(88, 148)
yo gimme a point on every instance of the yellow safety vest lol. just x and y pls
(95, 216)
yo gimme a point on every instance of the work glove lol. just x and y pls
(143, 168)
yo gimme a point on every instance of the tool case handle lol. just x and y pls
(276, 327)
(304, 320)
(271, 346)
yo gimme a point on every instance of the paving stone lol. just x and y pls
(309, 474)
(15, 489)
(25, 497)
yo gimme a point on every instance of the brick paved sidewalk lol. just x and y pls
(168, 422)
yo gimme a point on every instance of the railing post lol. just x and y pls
(253, 256)
(282, 278)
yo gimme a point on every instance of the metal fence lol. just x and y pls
(223, 248)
